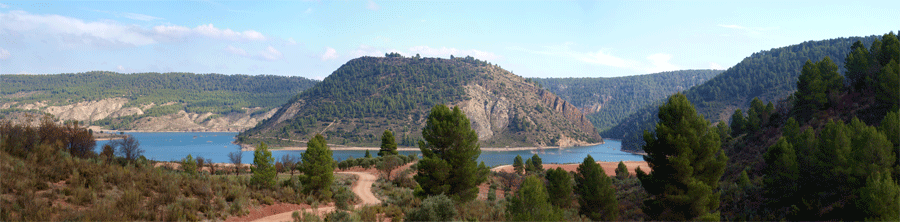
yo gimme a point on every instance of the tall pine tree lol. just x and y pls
(449, 152)
(317, 168)
(687, 161)
(388, 145)
(596, 195)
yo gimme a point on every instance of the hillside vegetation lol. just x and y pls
(768, 75)
(606, 101)
(368, 95)
(118, 101)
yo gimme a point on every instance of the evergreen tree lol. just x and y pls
(887, 90)
(536, 164)
(559, 186)
(368, 155)
(317, 168)
(189, 165)
(388, 146)
(857, 65)
(782, 173)
(687, 163)
(450, 150)
(816, 82)
(880, 198)
(518, 167)
(622, 171)
(738, 122)
(596, 196)
(531, 203)
(264, 170)
(890, 126)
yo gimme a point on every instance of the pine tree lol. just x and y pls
(816, 82)
(518, 167)
(450, 150)
(536, 164)
(738, 123)
(622, 171)
(531, 203)
(887, 90)
(189, 165)
(857, 64)
(687, 163)
(368, 155)
(317, 168)
(890, 126)
(880, 198)
(782, 174)
(559, 186)
(388, 146)
(596, 196)
(264, 170)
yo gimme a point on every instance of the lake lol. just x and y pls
(217, 145)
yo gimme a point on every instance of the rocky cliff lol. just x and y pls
(368, 95)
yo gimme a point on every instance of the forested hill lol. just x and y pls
(365, 96)
(769, 75)
(606, 101)
(116, 100)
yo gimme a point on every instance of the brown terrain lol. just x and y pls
(609, 167)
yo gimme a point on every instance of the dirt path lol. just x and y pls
(362, 188)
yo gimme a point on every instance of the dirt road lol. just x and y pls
(362, 188)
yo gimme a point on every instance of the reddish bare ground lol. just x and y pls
(268, 210)
(609, 167)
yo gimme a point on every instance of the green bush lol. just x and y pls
(434, 208)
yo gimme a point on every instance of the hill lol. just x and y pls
(606, 101)
(768, 75)
(151, 101)
(368, 95)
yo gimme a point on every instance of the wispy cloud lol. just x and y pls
(329, 54)
(657, 62)
(236, 51)
(72, 31)
(3, 5)
(141, 17)
(4, 54)
(372, 6)
(270, 54)
(291, 41)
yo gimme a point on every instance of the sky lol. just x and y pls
(313, 38)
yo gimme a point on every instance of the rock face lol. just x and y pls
(91, 111)
(368, 95)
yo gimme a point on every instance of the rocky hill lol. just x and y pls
(149, 101)
(368, 95)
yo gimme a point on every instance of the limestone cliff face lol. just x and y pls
(89, 111)
(488, 114)
(567, 110)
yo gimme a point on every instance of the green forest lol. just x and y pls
(198, 93)
(769, 75)
(622, 96)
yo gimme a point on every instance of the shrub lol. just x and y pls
(434, 208)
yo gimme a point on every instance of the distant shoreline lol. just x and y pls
(247, 147)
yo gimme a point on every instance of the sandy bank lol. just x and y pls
(608, 167)
(247, 147)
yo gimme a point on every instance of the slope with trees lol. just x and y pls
(606, 101)
(368, 95)
(768, 75)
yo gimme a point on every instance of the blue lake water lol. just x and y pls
(216, 146)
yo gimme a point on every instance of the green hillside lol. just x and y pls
(606, 101)
(368, 95)
(768, 75)
(199, 93)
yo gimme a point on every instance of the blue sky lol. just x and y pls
(313, 38)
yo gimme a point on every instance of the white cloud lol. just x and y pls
(329, 54)
(750, 30)
(713, 65)
(141, 17)
(270, 54)
(72, 31)
(236, 51)
(660, 63)
(426, 51)
(308, 10)
(365, 50)
(291, 41)
(372, 6)
(3, 5)
(4, 54)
